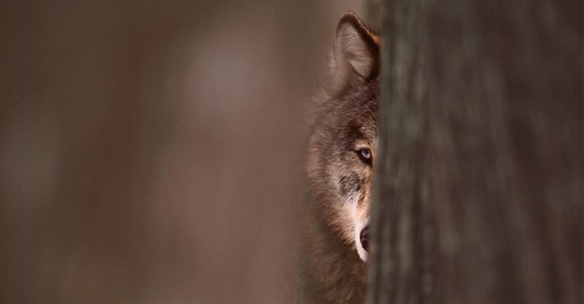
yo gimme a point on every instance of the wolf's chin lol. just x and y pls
(362, 253)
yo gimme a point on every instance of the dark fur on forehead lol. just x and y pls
(350, 117)
(340, 125)
(360, 107)
(355, 115)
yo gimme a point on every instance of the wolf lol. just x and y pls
(341, 160)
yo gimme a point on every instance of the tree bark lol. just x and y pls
(478, 192)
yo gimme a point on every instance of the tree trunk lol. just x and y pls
(478, 195)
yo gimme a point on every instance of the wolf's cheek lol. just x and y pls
(349, 184)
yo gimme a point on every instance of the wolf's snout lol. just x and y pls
(364, 238)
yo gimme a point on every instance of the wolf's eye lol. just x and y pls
(365, 155)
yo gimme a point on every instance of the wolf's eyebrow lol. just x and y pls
(361, 144)
(354, 131)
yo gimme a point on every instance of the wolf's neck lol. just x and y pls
(333, 272)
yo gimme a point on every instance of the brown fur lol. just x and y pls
(339, 177)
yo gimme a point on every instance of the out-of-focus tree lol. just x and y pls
(372, 14)
(479, 187)
(151, 151)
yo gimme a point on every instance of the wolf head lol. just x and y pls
(343, 145)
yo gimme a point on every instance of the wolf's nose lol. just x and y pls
(364, 238)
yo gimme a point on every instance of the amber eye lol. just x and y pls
(365, 155)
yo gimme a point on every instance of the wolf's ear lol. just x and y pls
(356, 50)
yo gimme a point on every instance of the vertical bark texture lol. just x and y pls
(479, 185)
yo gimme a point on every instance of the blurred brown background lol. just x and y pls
(152, 151)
